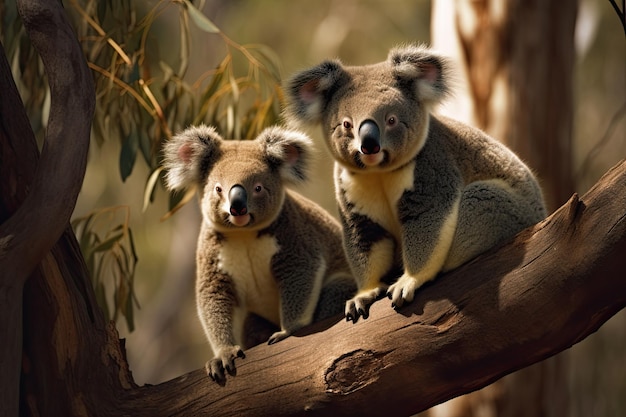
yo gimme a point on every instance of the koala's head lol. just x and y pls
(241, 182)
(374, 117)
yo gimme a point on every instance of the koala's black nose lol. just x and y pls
(238, 200)
(370, 137)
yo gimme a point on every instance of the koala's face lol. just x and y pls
(242, 190)
(374, 117)
(374, 122)
(242, 183)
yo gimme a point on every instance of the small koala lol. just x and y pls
(262, 249)
(417, 193)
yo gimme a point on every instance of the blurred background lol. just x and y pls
(181, 53)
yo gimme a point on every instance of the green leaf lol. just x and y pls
(128, 155)
(108, 243)
(148, 193)
(177, 201)
(200, 19)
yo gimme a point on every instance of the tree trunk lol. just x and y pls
(516, 77)
(36, 205)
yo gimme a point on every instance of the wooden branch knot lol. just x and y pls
(353, 371)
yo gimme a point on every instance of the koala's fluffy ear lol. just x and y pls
(289, 150)
(429, 70)
(308, 92)
(188, 156)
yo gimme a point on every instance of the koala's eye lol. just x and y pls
(218, 189)
(347, 124)
(258, 188)
(391, 121)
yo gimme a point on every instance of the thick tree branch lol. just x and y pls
(32, 230)
(552, 286)
(43, 216)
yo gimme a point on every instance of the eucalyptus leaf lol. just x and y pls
(128, 155)
(107, 244)
(149, 189)
(202, 22)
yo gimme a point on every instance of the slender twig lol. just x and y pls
(620, 13)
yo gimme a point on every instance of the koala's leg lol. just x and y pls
(222, 321)
(489, 213)
(333, 297)
(300, 284)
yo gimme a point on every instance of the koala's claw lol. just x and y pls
(403, 291)
(224, 360)
(278, 336)
(360, 304)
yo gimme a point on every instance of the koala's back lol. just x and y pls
(479, 157)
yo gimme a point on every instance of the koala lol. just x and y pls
(263, 249)
(418, 194)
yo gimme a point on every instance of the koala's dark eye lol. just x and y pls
(391, 121)
(347, 124)
(258, 188)
(218, 189)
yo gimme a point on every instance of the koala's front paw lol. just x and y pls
(403, 290)
(278, 336)
(224, 360)
(360, 304)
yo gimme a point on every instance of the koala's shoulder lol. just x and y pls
(209, 244)
(461, 135)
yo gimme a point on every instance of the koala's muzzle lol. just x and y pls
(370, 137)
(238, 198)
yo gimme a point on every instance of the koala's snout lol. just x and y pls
(370, 137)
(238, 198)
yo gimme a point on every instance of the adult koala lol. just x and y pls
(418, 194)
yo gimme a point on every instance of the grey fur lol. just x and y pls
(435, 195)
(282, 260)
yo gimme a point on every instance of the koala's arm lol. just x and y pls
(370, 250)
(428, 216)
(299, 269)
(217, 309)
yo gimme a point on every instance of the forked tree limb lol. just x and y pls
(33, 229)
(549, 288)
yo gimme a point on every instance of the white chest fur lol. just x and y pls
(247, 259)
(376, 195)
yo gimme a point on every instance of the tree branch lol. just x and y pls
(548, 289)
(32, 230)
